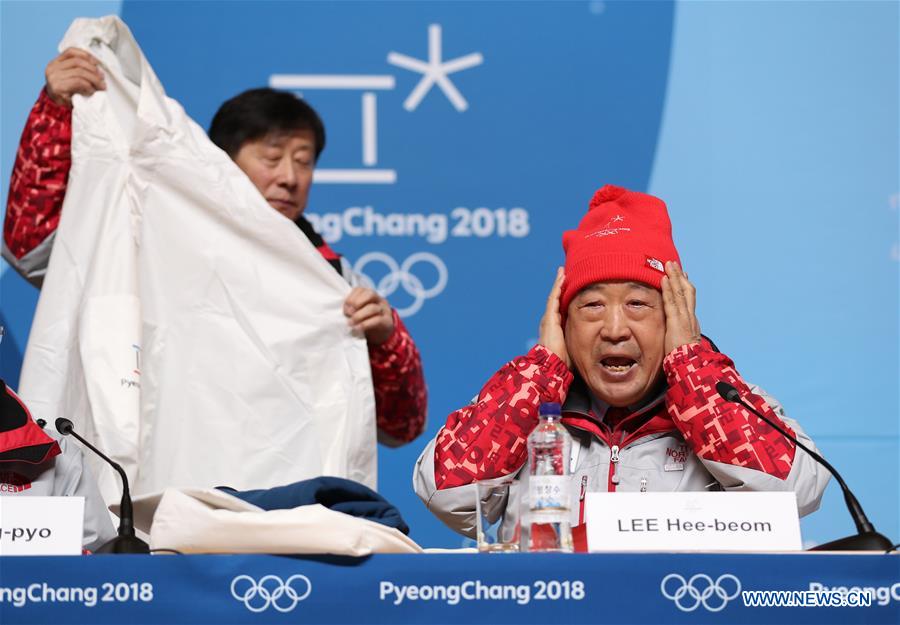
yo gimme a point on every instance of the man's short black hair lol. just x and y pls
(256, 113)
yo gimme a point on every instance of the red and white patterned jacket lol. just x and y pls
(36, 194)
(685, 439)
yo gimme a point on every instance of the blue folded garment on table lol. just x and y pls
(335, 493)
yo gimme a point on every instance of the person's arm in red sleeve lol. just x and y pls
(37, 188)
(488, 438)
(740, 450)
(718, 430)
(41, 171)
(401, 398)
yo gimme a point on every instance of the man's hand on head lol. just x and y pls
(73, 71)
(679, 302)
(366, 310)
(551, 331)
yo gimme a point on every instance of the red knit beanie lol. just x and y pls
(625, 235)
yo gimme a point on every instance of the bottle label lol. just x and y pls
(549, 498)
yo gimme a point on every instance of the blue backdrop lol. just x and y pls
(463, 138)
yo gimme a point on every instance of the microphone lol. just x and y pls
(866, 538)
(126, 541)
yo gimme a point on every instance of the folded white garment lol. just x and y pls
(211, 521)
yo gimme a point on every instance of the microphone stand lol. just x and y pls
(126, 541)
(866, 538)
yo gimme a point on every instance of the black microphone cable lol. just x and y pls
(866, 539)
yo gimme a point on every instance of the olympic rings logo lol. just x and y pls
(401, 275)
(271, 591)
(700, 589)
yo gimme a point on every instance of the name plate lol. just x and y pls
(692, 521)
(41, 526)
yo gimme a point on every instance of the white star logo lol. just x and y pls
(617, 218)
(435, 71)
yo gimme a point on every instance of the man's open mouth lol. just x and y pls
(617, 364)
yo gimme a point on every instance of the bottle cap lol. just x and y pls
(550, 408)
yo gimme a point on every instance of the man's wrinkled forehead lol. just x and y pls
(601, 287)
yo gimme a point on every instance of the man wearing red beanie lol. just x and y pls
(620, 348)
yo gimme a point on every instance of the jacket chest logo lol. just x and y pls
(678, 455)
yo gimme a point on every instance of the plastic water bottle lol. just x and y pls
(549, 483)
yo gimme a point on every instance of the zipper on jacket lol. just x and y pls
(643, 484)
(613, 468)
(584, 483)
